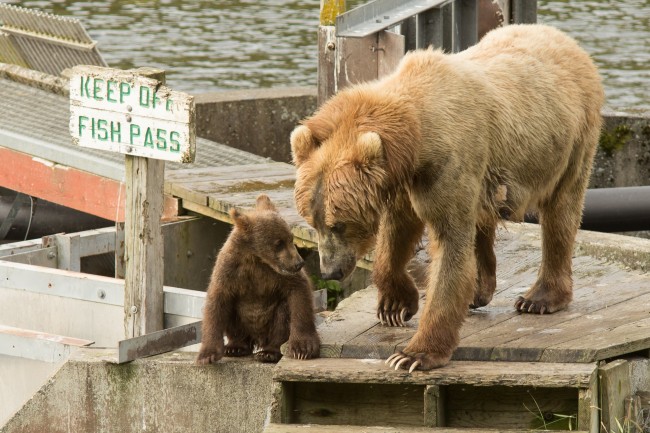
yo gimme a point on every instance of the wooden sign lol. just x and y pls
(124, 112)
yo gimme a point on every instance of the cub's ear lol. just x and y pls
(263, 202)
(302, 144)
(241, 220)
(371, 148)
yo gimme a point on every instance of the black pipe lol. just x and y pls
(614, 210)
(36, 218)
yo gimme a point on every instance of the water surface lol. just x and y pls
(229, 44)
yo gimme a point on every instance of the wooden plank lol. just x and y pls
(320, 428)
(525, 337)
(588, 407)
(63, 185)
(544, 375)
(143, 290)
(353, 316)
(326, 63)
(356, 60)
(434, 406)
(199, 192)
(357, 404)
(504, 407)
(390, 47)
(191, 175)
(614, 380)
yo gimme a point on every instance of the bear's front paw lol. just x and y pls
(208, 356)
(392, 311)
(417, 361)
(268, 356)
(304, 347)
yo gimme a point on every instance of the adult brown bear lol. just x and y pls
(453, 143)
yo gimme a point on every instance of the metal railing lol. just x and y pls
(368, 41)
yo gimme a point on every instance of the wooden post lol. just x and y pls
(329, 10)
(143, 290)
(614, 380)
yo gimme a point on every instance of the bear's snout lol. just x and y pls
(334, 275)
(298, 266)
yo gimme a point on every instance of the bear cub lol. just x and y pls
(259, 295)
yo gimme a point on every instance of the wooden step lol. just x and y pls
(462, 395)
(314, 428)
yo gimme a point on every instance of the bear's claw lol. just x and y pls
(398, 359)
(392, 318)
(524, 305)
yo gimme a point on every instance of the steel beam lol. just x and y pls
(379, 15)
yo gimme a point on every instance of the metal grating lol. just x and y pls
(45, 42)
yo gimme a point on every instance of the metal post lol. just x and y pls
(468, 21)
(523, 11)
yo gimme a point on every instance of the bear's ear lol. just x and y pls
(302, 144)
(370, 146)
(241, 220)
(263, 202)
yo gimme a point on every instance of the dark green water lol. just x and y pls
(215, 45)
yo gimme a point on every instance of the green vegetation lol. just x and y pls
(615, 140)
(333, 288)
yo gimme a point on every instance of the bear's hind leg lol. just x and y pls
(277, 335)
(560, 219)
(486, 263)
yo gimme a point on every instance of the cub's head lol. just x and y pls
(338, 191)
(268, 236)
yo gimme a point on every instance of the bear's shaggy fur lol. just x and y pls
(454, 143)
(259, 295)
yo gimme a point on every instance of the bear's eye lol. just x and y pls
(338, 228)
(278, 244)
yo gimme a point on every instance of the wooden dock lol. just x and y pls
(511, 371)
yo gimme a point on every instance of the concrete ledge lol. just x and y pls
(162, 393)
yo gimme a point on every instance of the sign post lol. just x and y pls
(134, 113)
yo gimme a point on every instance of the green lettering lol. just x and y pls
(97, 89)
(110, 90)
(125, 90)
(82, 119)
(148, 138)
(93, 127)
(168, 106)
(134, 132)
(161, 142)
(145, 94)
(155, 99)
(102, 132)
(174, 138)
(85, 87)
(116, 132)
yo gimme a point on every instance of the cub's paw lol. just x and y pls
(304, 348)
(417, 361)
(396, 311)
(268, 356)
(236, 350)
(208, 356)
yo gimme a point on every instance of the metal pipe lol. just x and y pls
(614, 209)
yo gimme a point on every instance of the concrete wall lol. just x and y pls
(257, 121)
(623, 157)
(166, 393)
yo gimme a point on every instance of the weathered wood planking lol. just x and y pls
(528, 374)
(318, 428)
(608, 317)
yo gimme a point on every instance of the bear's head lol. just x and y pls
(338, 192)
(352, 156)
(267, 236)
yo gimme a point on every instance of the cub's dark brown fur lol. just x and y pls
(259, 295)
